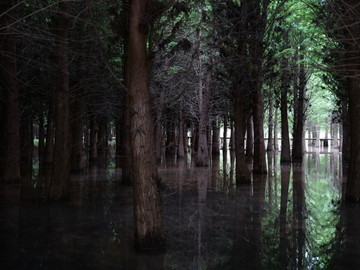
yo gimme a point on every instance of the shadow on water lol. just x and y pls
(293, 218)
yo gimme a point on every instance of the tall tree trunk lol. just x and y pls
(215, 139)
(170, 138)
(49, 146)
(77, 121)
(270, 146)
(102, 142)
(353, 185)
(93, 130)
(285, 140)
(346, 135)
(298, 141)
(259, 144)
(249, 136)
(27, 145)
(10, 124)
(41, 144)
(58, 187)
(225, 144)
(148, 217)
(243, 174)
(276, 142)
(181, 139)
(202, 158)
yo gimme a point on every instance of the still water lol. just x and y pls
(294, 218)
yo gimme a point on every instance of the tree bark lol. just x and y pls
(181, 137)
(77, 121)
(243, 174)
(276, 142)
(148, 218)
(202, 158)
(58, 187)
(10, 163)
(215, 139)
(27, 146)
(298, 140)
(249, 136)
(285, 140)
(270, 146)
(259, 144)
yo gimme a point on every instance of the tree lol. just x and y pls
(9, 115)
(149, 227)
(58, 186)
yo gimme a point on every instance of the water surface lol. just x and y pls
(293, 218)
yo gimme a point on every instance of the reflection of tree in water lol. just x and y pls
(198, 234)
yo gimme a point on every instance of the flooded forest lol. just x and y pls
(174, 134)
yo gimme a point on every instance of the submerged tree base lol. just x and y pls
(150, 242)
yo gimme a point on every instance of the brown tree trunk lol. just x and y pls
(49, 146)
(346, 135)
(298, 140)
(58, 187)
(102, 142)
(270, 146)
(77, 121)
(202, 158)
(148, 217)
(249, 136)
(10, 126)
(215, 139)
(41, 145)
(27, 146)
(276, 141)
(259, 145)
(170, 138)
(93, 130)
(285, 140)
(225, 144)
(243, 174)
(181, 144)
(353, 185)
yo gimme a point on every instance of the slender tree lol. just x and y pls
(58, 186)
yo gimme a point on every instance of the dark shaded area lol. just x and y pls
(291, 219)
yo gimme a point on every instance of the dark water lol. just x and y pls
(294, 218)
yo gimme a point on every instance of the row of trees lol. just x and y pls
(158, 70)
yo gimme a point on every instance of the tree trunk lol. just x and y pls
(276, 142)
(259, 144)
(27, 146)
(202, 158)
(93, 152)
(49, 146)
(41, 144)
(243, 174)
(353, 185)
(148, 217)
(285, 140)
(346, 135)
(298, 140)
(77, 121)
(10, 124)
(225, 144)
(249, 137)
(215, 139)
(102, 141)
(270, 146)
(58, 187)
(170, 138)
(181, 139)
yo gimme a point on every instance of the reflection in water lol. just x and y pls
(291, 219)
